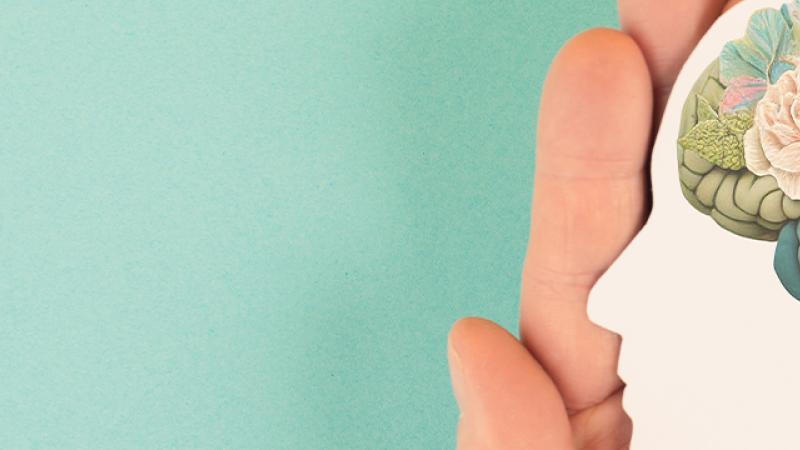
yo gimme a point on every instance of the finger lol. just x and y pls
(589, 201)
(507, 401)
(603, 426)
(667, 31)
(730, 5)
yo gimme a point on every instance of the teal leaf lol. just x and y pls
(791, 12)
(762, 53)
(786, 262)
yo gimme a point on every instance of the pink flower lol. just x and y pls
(772, 146)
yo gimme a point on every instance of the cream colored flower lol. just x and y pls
(772, 146)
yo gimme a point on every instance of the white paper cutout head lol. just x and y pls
(709, 351)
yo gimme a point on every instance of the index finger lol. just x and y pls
(589, 201)
(667, 31)
(591, 183)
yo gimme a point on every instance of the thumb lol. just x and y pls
(507, 401)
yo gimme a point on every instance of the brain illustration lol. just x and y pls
(739, 145)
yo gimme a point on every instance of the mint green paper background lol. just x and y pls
(251, 224)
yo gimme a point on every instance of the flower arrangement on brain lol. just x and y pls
(739, 145)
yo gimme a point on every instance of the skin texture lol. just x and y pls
(557, 388)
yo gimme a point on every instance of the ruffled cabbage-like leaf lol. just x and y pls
(719, 139)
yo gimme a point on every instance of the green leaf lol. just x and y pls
(704, 110)
(738, 123)
(762, 52)
(719, 140)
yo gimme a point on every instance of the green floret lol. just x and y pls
(719, 139)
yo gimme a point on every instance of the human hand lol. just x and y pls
(558, 387)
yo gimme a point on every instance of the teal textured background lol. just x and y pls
(251, 224)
